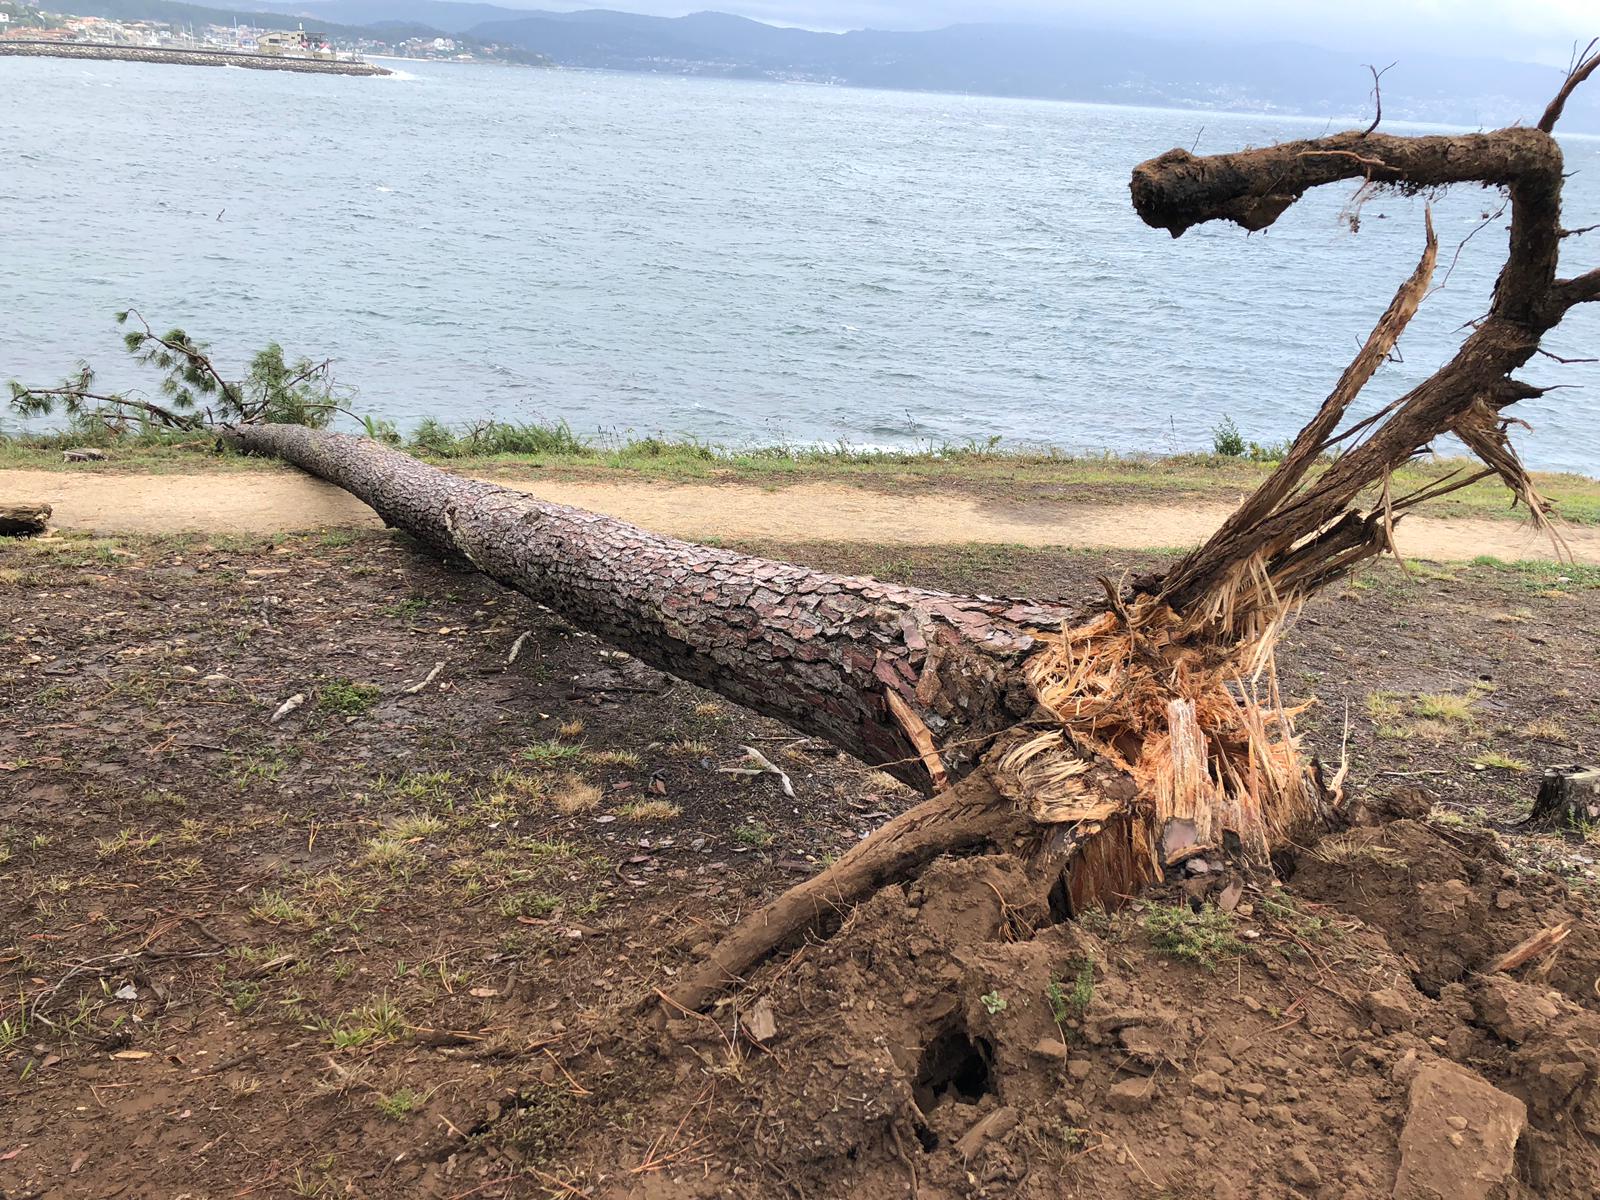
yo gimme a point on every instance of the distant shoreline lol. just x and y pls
(108, 51)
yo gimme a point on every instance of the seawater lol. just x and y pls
(741, 262)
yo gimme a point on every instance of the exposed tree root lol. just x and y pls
(969, 814)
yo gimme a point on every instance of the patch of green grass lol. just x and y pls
(543, 1121)
(1546, 576)
(550, 753)
(274, 906)
(1281, 909)
(244, 997)
(529, 904)
(347, 698)
(401, 1103)
(379, 1021)
(1443, 706)
(753, 834)
(1495, 761)
(1204, 938)
(390, 853)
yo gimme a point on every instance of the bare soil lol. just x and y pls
(267, 502)
(394, 943)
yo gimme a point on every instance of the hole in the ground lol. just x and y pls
(1060, 901)
(1425, 985)
(1284, 863)
(953, 1067)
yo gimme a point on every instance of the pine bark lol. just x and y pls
(821, 652)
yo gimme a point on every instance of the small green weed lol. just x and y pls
(1204, 938)
(347, 698)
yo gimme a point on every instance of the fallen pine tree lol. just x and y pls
(1095, 748)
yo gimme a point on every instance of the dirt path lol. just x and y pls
(272, 502)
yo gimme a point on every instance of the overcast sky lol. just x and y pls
(1537, 30)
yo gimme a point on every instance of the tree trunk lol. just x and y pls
(1569, 798)
(821, 652)
(23, 520)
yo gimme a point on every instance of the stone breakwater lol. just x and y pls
(189, 58)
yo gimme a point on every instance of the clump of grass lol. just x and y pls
(543, 1121)
(570, 729)
(550, 753)
(347, 698)
(529, 904)
(127, 841)
(427, 789)
(1384, 707)
(689, 748)
(1348, 849)
(1495, 761)
(414, 825)
(274, 906)
(1204, 938)
(389, 853)
(574, 794)
(753, 834)
(1443, 706)
(399, 1104)
(650, 810)
(1544, 729)
(612, 758)
(1067, 1005)
(379, 1021)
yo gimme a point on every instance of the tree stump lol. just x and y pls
(1569, 798)
(23, 520)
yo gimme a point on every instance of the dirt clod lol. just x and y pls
(1388, 1008)
(1436, 1158)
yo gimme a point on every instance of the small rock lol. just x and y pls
(1298, 1168)
(1252, 1090)
(1456, 1121)
(1389, 1008)
(1506, 899)
(1208, 1083)
(1079, 1068)
(1051, 1048)
(1215, 1062)
(1131, 1095)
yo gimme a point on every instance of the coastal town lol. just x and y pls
(26, 28)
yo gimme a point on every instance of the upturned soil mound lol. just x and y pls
(395, 943)
(933, 1048)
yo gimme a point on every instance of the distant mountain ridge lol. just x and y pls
(1040, 61)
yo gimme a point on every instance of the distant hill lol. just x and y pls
(1003, 60)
